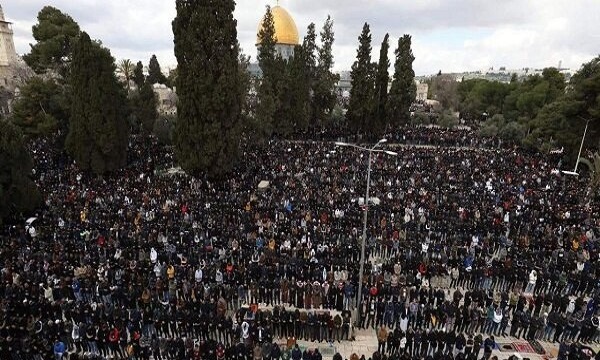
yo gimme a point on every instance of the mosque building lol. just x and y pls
(286, 32)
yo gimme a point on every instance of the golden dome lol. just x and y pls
(286, 31)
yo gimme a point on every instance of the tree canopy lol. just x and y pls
(360, 108)
(42, 107)
(155, 74)
(209, 86)
(18, 193)
(98, 131)
(381, 88)
(55, 34)
(403, 90)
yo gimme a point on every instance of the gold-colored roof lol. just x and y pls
(286, 31)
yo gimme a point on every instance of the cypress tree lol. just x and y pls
(98, 129)
(360, 108)
(308, 53)
(404, 90)
(208, 86)
(268, 101)
(299, 90)
(381, 87)
(324, 96)
(155, 75)
(138, 75)
(144, 108)
(18, 192)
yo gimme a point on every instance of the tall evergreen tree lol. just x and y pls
(155, 74)
(381, 88)
(360, 108)
(208, 86)
(18, 193)
(308, 51)
(324, 96)
(138, 75)
(299, 90)
(268, 101)
(404, 90)
(98, 131)
(145, 108)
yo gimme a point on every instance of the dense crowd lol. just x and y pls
(464, 244)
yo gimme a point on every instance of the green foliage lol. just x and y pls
(138, 75)
(18, 193)
(266, 47)
(381, 88)
(42, 108)
(324, 82)
(563, 120)
(299, 90)
(209, 87)
(268, 101)
(282, 119)
(98, 132)
(126, 69)
(164, 129)
(360, 108)
(155, 74)
(420, 117)
(478, 97)
(512, 132)
(492, 126)
(447, 119)
(404, 90)
(144, 106)
(55, 34)
(584, 96)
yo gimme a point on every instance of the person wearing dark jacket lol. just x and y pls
(478, 341)
(460, 343)
(488, 345)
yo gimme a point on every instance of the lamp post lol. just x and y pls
(574, 172)
(366, 209)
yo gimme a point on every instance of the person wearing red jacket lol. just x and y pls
(113, 340)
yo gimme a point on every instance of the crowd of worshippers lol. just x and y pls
(423, 135)
(152, 262)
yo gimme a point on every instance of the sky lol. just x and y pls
(447, 35)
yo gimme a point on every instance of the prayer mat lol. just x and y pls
(523, 347)
(539, 349)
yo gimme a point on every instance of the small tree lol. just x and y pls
(42, 108)
(155, 74)
(138, 75)
(126, 70)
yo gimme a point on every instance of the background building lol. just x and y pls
(13, 70)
